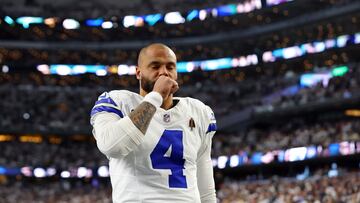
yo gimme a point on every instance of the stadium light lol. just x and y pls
(94, 22)
(5, 69)
(226, 10)
(25, 21)
(101, 72)
(353, 112)
(61, 69)
(65, 174)
(153, 19)
(26, 171)
(174, 18)
(276, 2)
(5, 138)
(79, 69)
(342, 40)
(51, 22)
(103, 171)
(339, 71)
(234, 161)
(39, 173)
(9, 20)
(2, 170)
(192, 14)
(357, 38)
(107, 25)
(71, 24)
(222, 160)
(202, 14)
(214, 162)
(44, 69)
(135, 21)
(50, 171)
(82, 172)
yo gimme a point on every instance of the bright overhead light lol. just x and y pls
(71, 24)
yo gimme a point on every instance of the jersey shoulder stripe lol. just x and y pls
(111, 102)
(109, 109)
(105, 101)
(212, 127)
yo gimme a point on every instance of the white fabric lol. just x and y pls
(133, 173)
(154, 98)
(112, 138)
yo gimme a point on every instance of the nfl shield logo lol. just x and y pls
(166, 118)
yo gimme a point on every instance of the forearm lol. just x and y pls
(205, 174)
(142, 116)
(206, 181)
(116, 137)
(119, 136)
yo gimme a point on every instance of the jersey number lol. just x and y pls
(175, 162)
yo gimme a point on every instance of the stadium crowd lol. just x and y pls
(68, 154)
(319, 187)
(337, 88)
(35, 102)
(59, 192)
(290, 134)
(73, 154)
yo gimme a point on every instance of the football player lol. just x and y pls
(158, 145)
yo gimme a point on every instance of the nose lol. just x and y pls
(163, 71)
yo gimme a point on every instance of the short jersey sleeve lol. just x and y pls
(107, 102)
(211, 120)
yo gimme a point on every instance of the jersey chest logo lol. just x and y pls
(166, 118)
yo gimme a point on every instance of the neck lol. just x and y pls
(167, 103)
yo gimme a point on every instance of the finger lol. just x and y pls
(174, 88)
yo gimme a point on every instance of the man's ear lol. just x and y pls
(138, 73)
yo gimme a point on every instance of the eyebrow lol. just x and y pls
(158, 62)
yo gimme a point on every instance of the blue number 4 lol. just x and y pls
(175, 162)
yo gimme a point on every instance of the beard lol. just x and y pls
(146, 84)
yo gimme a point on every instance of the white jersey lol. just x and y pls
(170, 163)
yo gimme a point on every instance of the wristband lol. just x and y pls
(154, 98)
